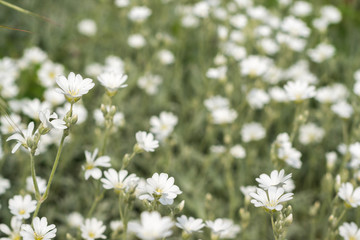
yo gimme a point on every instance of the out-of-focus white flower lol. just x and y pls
(223, 116)
(32, 55)
(139, 14)
(122, 3)
(349, 231)
(238, 151)
(238, 21)
(78, 109)
(151, 226)
(257, 98)
(150, 83)
(48, 73)
(92, 163)
(21, 207)
(116, 225)
(92, 229)
(217, 149)
(321, 52)
(14, 232)
(255, 66)
(330, 13)
(301, 9)
(146, 141)
(9, 123)
(216, 102)
(87, 27)
(53, 97)
(295, 27)
(342, 109)
(136, 41)
(246, 190)
(189, 21)
(30, 184)
(74, 87)
(278, 94)
(218, 73)
(252, 132)
(161, 187)
(189, 225)
(331, 158)
(163, 125)
(201, 9)
(31, 108)
(258, 13)
(221, 227)
(38, 230)
(332, 94)
(310, 133)
(4, 185)
(298, 91)
(166, 57)
(75, 219)
(269, 46)
(350, 195)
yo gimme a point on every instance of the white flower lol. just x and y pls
(218, 149)
(53, 97)
(349, 231)
(216, 102)
(166, 57)
(119, 181)
(139, 14)
(163, 125)
(8, 123)
(136, 41)
(220, 226)
(321, 53)
(23, 138)
(87, 27)
(116, 225)
(271, 199)
(238, 151)
(50, 121)
(112, 81)
(14, 232)
(75, 219)
(4, 184)
(30, 184)
(150, 83)
(301, 9)
(152, 226)
(252, 132)
(332, 94)
(276, 179)
(78, 109)
(257, 98)
(146, 141)
(39, 231)
(21, 207)
(223, 116)
(290, 155)
(92, 229)
(342, 109)
(122, 3)
(295, 27)
(31, 108)
(299, 90)
(218, 73)
(189, 225)
(330, 14)
(74, 86)
(160, 187)
(32, 55)
(246, 190)
(254, 66)
(92, 164)
(350, 195)
(48, 72)
(310, 133)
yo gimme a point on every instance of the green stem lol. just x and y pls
(122, 216)
(94, 204)
(273, 226)
(52, 174)
(33, 175)
(296, 122)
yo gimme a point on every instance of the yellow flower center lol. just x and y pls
(37, 237)
(352, 238)
(89, 166)
(159, 191)
(52, 75)
(16, 237)
(91, 235)
(22, 211)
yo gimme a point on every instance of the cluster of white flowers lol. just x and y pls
(271, 193)
(221, 113)
(285, 152)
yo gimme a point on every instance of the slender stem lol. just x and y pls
(94, 204)
(33, 175)
(57, 158)
(122, 216)
(345, 132)
(296, 122)
(273, 226)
